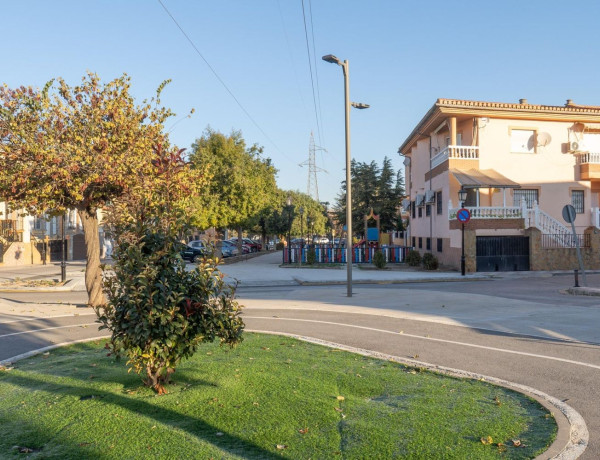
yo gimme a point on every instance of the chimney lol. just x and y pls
(569, 102)
(523, 101)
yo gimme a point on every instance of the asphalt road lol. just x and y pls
(555, 361)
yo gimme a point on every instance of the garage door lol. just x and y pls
(502, 253)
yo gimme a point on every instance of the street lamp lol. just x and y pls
(462, 197)
(63, 262)
(334, 60)
(289, 245)
(301, 212)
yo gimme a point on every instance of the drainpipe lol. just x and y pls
(430, 210)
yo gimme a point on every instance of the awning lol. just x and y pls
(484, 178)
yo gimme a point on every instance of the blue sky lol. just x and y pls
(403, 56)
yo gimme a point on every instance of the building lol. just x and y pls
(520, 164)
(26, 239)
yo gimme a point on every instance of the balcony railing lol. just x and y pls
(588, 157)
(458, 152)
(496, 212)
(11, 230)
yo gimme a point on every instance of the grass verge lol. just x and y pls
(272, 397)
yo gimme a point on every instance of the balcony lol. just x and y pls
(456, 152)
(589, 165)
(11, 230)
(499, 212)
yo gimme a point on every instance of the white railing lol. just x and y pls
(492, 212)
(533, 217)
(465, 152)
(547, 224)
(588, 157)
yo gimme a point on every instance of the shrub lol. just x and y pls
(379, 260)
(430, 261)
(413, 258)
(311, 256)
(158, 312)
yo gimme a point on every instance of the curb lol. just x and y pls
(572, 434)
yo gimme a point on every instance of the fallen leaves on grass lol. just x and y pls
(341, 398)
(303, 430)
(486, 440)
(281, 446)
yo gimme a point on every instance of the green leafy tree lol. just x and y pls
(374, 188)
(242, 182)
(75, 147)
(158, 311)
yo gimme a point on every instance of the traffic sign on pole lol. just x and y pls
(463, 215)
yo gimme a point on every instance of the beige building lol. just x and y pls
(520, 164)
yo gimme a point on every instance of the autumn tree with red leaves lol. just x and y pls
(76, 147)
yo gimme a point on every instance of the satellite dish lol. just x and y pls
(543, 139)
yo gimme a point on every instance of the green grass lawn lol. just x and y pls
(272, 397)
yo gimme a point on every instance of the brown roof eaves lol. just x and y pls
(568, 112)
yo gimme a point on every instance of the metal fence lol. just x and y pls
(327, 254)
(565, 240)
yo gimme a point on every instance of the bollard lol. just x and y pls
(576, 277)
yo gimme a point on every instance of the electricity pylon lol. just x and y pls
(312, 188)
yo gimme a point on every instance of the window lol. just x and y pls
(413, 242)
(413, 210)
(420, 212)
(439, 245)
(420, 242)
(577, 201)
(529, 195)
(428, 210)
(522, 140)
(438, 202)
(428, 244)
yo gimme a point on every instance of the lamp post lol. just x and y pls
(301, 212)
(334, 60)
(289, 245)
(63, 262)
(462, 197)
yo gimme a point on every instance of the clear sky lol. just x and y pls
(403, 55)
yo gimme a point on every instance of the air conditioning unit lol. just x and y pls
(429, 196)
(577, 146)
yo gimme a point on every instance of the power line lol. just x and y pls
(222, 82)
(311, 72)
(312, 31)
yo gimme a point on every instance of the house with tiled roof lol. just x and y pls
(519, 164)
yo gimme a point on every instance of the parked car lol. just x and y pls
(194, 251)
(251, 245)
(254, 245)
(320, 240)
(227, 248)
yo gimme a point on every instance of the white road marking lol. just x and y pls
(40, 318)
(45, 329)
(432, 339)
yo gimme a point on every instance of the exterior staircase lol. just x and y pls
(558, 232)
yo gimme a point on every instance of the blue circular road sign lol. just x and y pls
(463, 215)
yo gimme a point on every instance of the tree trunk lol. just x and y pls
(239, 241)
(93, 272)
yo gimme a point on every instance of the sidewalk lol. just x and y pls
(265, 270)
